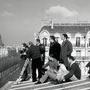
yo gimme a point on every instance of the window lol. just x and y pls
(89, 42)
(78, 41)
(45, 41)
(78, 53)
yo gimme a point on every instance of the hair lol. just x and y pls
(52, 37)
(71, 57)
(25, 45)
(38, 40)
(65, 35)
(51, 55)
(30, 43)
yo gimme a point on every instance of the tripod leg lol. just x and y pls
(22, 71)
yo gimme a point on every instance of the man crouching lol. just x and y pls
(51, 72)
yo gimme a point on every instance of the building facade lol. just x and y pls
(1, 43)
(79, 35)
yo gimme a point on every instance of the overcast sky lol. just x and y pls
(20, 19)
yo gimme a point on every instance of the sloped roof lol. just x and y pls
(83, 29)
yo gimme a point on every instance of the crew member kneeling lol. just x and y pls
(51, 72)
(74, 73)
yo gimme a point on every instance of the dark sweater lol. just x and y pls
(88, 65)
(33, 52)
(54, 50)
(74, 70)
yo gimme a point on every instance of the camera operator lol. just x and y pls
(25, 73)
(23, 51)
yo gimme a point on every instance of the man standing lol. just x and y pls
(34, 54)
(55, 48)
(42, 50)
(66, 50)
(25, 72)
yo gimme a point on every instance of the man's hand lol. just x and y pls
(63, 79)
(50, 58)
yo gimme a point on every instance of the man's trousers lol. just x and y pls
(36, 64)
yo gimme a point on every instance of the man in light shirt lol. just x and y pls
(51, 73)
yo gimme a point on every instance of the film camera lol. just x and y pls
(23, 52)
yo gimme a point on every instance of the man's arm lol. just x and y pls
(45, 65)
(71, 72)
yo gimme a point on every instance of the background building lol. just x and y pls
(79, 35)
(1, 43)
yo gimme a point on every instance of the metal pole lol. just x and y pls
(85, 47)
(85, 44)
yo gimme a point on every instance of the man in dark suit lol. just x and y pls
(55, 48)
(66, 50)
(42, 50)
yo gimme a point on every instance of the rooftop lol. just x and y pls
(67, 27)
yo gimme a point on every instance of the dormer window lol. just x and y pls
(88, 38)
(45, 41)
(78, 53)
(89, 42)
(77, 41)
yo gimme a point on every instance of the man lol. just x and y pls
(34, 54)
(42, 50)
(66, 50)
(51, 72)
(55, 48)
(25, 72)
(88, 66)
(23, 55)
(74, 72)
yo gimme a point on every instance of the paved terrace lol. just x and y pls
(28, 85)
(7, 81)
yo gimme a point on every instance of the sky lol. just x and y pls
(20, 19)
